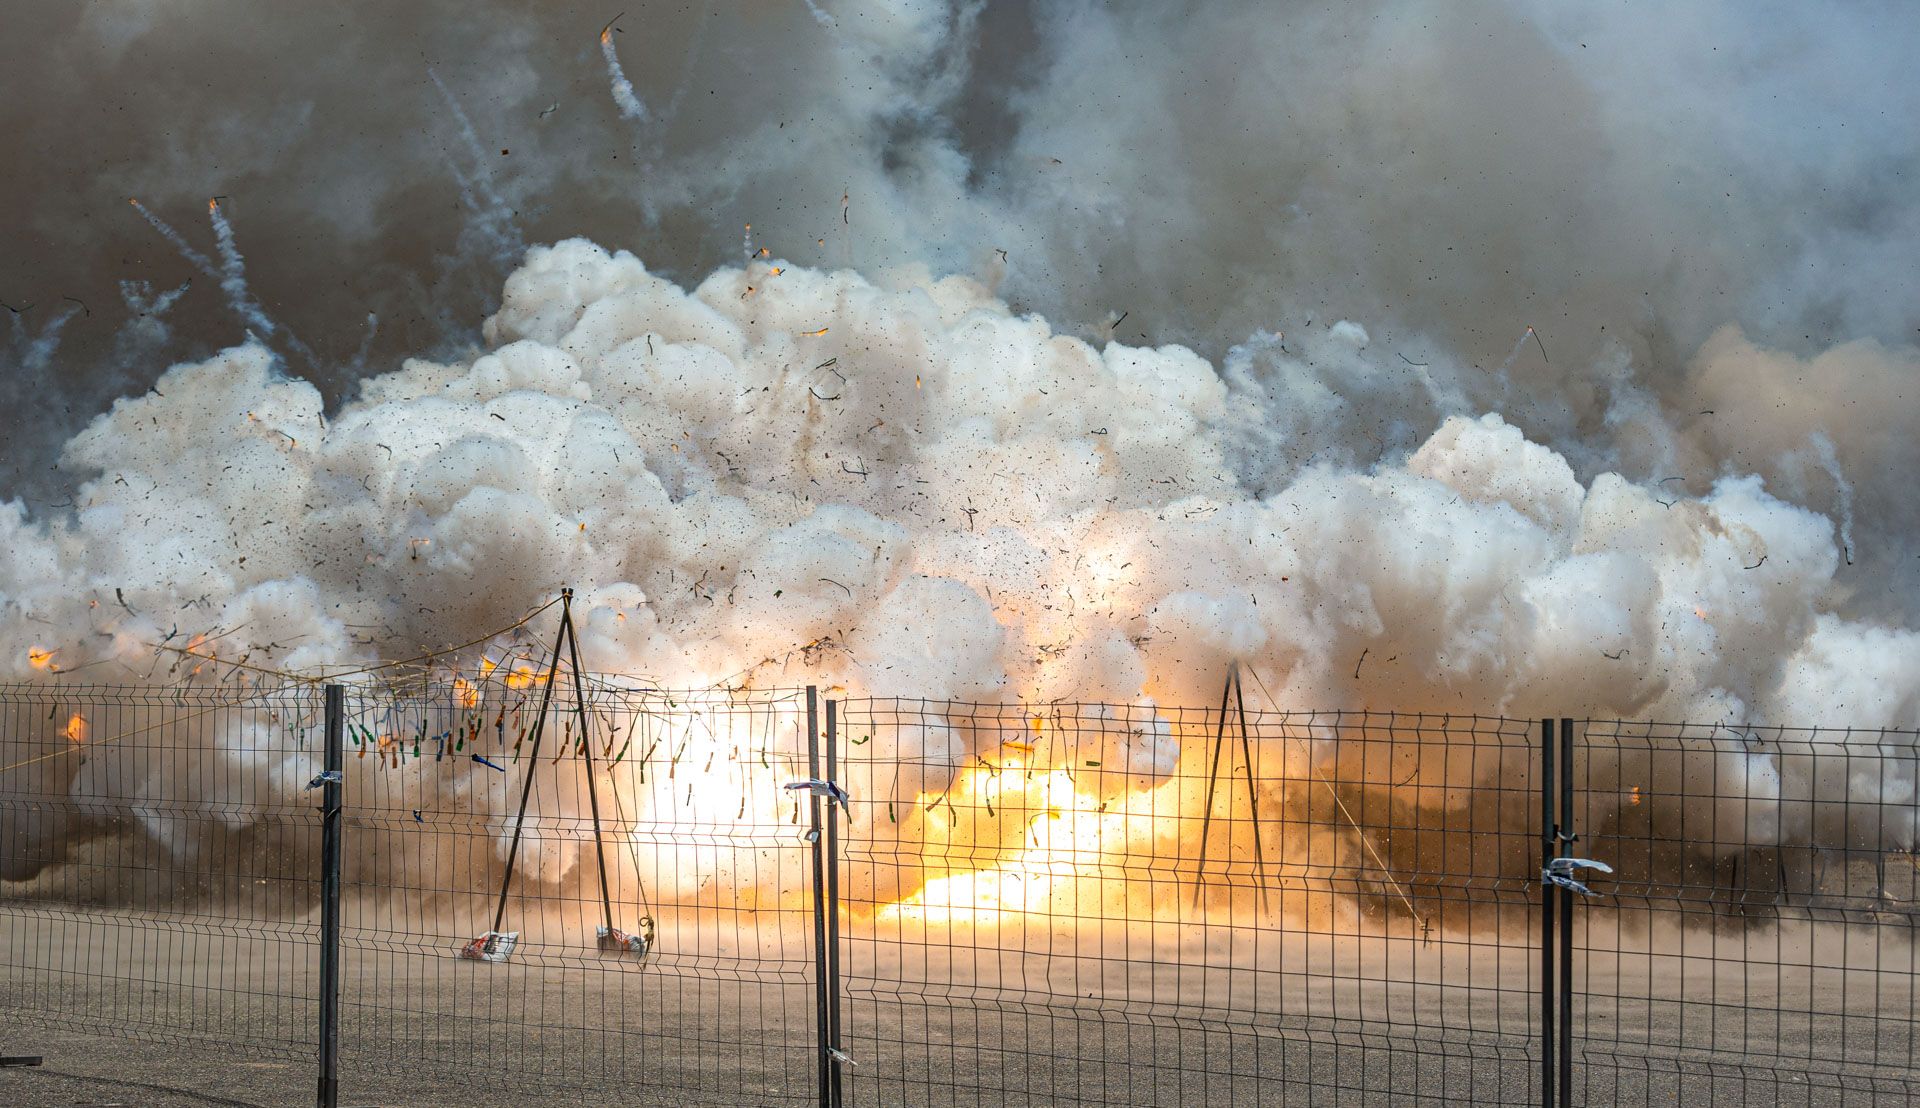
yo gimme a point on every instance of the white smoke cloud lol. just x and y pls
(901, 488)
(896, 470)
(970, 503)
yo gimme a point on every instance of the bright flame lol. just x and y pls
(40, 657)
(76, 729)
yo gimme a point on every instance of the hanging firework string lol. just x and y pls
(267, 681)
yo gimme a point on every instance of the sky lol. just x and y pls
(1711, 201)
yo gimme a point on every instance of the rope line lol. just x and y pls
(286, 675)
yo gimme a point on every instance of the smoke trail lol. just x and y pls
(624, 97)
(493, 218)
(194, 257)
(142, 301)
(33, 351)
(1829, 460)
(233, 282)
(819, 16)
(359, 362)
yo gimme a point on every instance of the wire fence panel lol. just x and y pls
(690, 981)
(1070, 903)
(1106, 904)
(1757, 942)
(160, 863)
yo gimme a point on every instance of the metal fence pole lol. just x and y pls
(820, 975)
(833, 914)
(1567, 837)
(330, 853)
(1549, 846)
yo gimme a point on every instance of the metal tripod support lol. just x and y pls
(610, 937)
(1231, 693)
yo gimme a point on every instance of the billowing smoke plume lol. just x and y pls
(1627, 180)
(904, 489)
(1049, 382)
(966, 503)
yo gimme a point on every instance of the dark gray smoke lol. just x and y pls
(1626, 179)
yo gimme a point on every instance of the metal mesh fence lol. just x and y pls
(1073, 903)
(159, 876)
(704, 860)
(1756, 944)
(1102, 904)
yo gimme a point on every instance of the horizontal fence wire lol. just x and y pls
(1105, 904)
(1066, 903)
(158, 865)
(1756, 943)
(704, 858)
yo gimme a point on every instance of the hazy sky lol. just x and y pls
(1625, 177)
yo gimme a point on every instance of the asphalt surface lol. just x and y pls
(150, 1011)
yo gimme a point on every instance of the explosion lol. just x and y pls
(896, 478)
(941, 500)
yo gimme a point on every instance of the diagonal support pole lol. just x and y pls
(1253, 794)
(586, 747)
(1213, 782)
(533, 763)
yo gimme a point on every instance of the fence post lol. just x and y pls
(1567, 837)
(833, 915)
(1549, 847)
(330, 851)
(822, 1030)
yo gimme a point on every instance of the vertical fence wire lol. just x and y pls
(1756, 944)
(706, 864)
(1066, 903)
(159, 868)
(1044, 907)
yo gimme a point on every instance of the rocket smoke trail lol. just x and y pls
(623, 95)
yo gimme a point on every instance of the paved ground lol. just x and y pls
(170, 1012)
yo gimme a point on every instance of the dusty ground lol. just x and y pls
(176, 1012)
